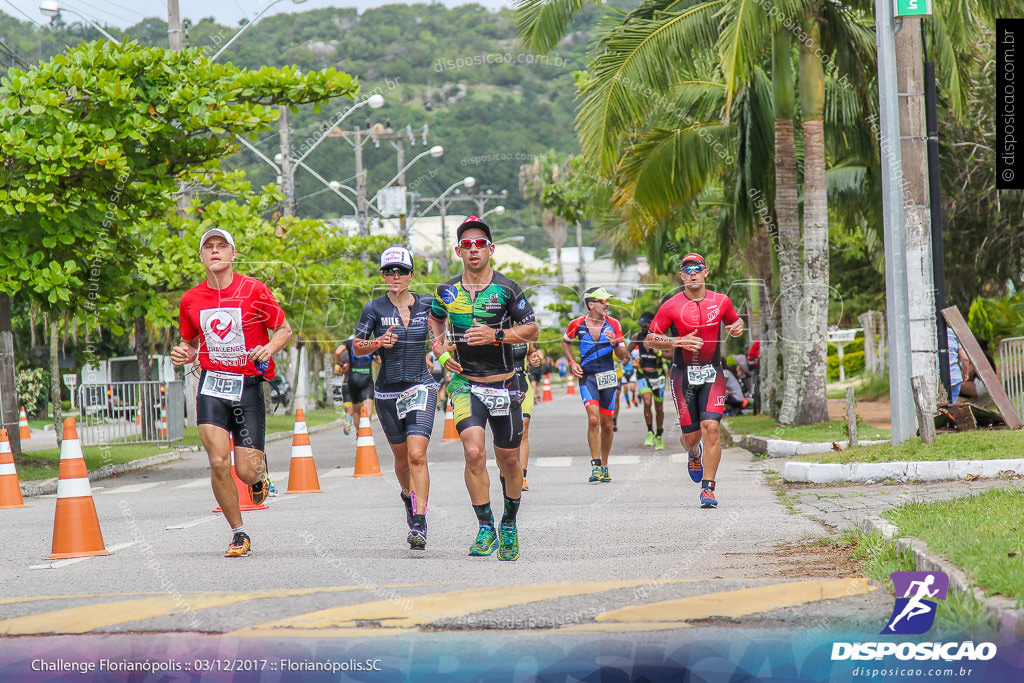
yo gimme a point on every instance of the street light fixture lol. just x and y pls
(497, 211)
(52, 9)
(254, 20)
(435, 151)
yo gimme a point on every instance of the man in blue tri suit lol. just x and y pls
(600, 336)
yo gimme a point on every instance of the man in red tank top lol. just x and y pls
(689, 323)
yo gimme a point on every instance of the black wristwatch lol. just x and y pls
(499, 336)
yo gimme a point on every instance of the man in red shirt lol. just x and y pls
(689, 324)
(224, 323)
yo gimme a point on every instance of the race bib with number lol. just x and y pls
(701, 375)
(657, 382)
(495, 399)
(413, 398)
(606, 380)
(224, 385)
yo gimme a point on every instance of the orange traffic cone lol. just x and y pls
(23, 428)
(547, 389)
(302, 473)
(571, 387)
(245, 503)
(10, 489)
(366, 453)
(450, 432)
(76, 528)
(162, 429)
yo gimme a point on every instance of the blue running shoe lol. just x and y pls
(696, 464)
(707, 498)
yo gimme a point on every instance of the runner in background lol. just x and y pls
(600, 339)
(651, 382)
(358, 387)
(526, 356)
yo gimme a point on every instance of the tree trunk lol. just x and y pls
(924, 347)
(9, 409)
(787, 209)
(148, 396)
(58, 422)
(814, 405)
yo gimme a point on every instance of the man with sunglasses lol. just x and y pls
(689, 324)
(487, 314)
(651, 384)
(600, 337)
(405, 393)
(224, 324)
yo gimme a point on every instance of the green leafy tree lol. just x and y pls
(96, 140)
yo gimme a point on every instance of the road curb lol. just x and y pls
(872, 472)
(46, 487)
(783, 448)
(1009, 618)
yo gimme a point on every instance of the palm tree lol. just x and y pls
(546, 170)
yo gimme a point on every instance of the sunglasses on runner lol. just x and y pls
(479, 243)
(690, 270)
(395, 270)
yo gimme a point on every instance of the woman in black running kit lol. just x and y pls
(405, 393)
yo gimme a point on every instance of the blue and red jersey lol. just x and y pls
(596, 355)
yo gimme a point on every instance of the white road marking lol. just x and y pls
(57, 564)
(551, 462)
(133, 488)
(194, 522)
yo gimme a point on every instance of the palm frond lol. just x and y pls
(542, 23)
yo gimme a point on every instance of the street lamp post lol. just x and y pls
(497, 211)
(247, 25)
(435, 152)
(52, 9)
(469, 182)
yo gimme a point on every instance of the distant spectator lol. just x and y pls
(734, 399)
(754, 355)
(973, 386)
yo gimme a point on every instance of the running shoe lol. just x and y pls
(240, 546)
(526, 487)
(509, 548)
(636, 401)
(346, 424)
(258, 491)
(649, 441)
(605, 477)
(696, 464)
(595, 475)
(407, 502)
(659, 443)
(271, 489)
(485, 541)
(417, 537)
(707, 498)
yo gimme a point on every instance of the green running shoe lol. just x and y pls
(595, 475)
(659, 443)
(649, 441)
(509, 548)
(485, 541)
(605, 477)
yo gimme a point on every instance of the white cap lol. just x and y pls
(396, 256)
(217, 231)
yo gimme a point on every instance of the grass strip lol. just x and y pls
(979, 444)
(764, 425)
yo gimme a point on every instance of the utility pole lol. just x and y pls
(287, 174)
(357, 138)
(901, 399)
(175, 35)
(916, 209)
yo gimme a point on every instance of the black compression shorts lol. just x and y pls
(358, 387)
(245, 420)
(415, 422)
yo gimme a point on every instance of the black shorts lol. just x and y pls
(698, 402)
(536, 374)
(415, 422)
(358, 387)
(245, 420)
(507, 430)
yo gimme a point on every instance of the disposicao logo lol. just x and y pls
(917, 594)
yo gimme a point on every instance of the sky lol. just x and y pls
(124, 13)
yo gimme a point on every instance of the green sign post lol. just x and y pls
(907, 8)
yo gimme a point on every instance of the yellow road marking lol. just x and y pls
(395, 616)
(740, 603)
(87, 618)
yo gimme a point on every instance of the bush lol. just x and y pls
(33, 387)
(853, 364)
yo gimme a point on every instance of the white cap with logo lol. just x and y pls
(396, 256)
(219, 232)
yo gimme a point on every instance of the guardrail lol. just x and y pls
(117, 413)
